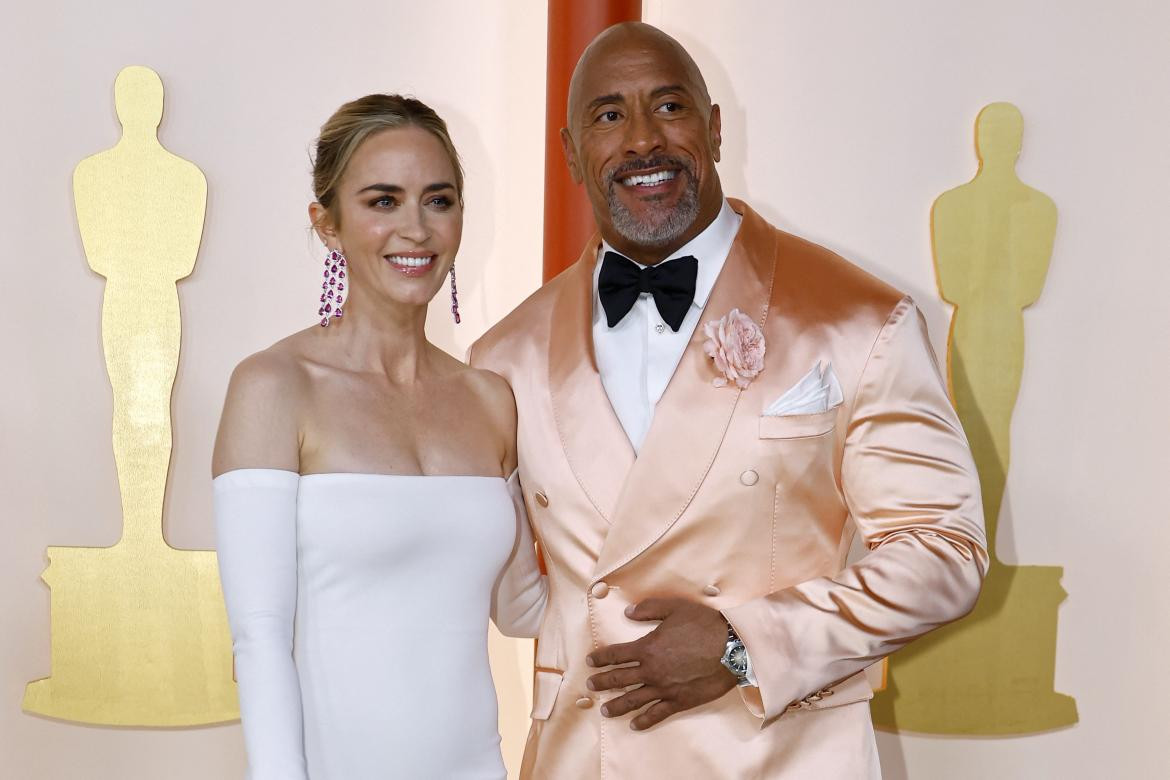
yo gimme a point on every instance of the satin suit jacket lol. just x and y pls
(749, 514)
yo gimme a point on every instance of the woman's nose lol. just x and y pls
(414, 224)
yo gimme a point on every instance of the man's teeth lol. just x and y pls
(410, 262)
(649, 179)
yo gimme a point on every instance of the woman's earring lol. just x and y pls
(332, 288)
(454, 297)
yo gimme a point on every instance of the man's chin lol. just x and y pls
(652, 221)
(649, 206)
(650, 236)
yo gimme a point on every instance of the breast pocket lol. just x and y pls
(799, 426)
(800, 455)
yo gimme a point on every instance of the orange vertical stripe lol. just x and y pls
(568, 218)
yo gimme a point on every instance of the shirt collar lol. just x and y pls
(711, 247)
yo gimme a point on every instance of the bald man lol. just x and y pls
(709, 411)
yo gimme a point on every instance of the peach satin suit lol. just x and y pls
(749, 514)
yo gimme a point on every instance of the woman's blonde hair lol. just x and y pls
(356, 121)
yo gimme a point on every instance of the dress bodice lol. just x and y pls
(395, 578)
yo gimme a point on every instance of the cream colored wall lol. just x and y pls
(247, 87)
(842, 122)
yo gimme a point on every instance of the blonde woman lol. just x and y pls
(367, 511)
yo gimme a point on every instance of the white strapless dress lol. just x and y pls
(359, 605)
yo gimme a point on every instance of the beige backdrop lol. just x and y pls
(842, 122)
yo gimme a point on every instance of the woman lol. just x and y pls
(362, 491)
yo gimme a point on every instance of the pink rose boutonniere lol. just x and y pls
(736, 344)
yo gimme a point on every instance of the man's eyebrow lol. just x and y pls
(613, 97)
(679, 88)
(394, 189)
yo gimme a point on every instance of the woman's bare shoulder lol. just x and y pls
(496, 397)
(275, 375)
(493, 391)
(260, 425)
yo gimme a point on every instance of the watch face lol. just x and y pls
(737, 660)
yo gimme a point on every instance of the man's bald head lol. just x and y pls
(630, 38)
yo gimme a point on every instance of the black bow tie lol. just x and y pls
(671, 283)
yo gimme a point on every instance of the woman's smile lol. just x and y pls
(412, 264)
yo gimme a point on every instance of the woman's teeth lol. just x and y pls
(649, 179)
(410, 262)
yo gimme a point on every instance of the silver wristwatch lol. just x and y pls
(735, 657)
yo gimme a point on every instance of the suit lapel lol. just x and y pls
(596, 446)
(692, 417)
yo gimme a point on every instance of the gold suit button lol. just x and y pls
(541, 498)
(710, 590)
(584, 702)
(749, 477)
(599, 590)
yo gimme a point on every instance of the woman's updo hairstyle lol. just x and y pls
(356, 121)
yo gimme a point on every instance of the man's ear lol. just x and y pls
(570, 150)
(323, 225)
(715, 131)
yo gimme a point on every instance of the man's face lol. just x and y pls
(644, 141)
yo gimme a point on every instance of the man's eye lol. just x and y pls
(608, 116)
(670, 108)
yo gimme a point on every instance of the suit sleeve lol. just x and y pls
(256, 543)
(910, 484)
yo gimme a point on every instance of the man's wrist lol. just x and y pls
(736, 659)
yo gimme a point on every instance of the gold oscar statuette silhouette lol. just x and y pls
(992, 672)
(139, 630)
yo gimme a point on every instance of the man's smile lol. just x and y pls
(648, 179)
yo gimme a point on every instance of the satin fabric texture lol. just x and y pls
(753, 515)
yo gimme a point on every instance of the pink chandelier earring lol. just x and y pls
(332, 288)
(454, 297)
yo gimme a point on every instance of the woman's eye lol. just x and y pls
(384, 202)
(441, 201)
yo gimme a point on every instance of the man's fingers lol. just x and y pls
(655, 714)
(635, 699)
(622, 653)
(651, 609)
(618, 678)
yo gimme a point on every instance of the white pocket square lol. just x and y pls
(817, 391)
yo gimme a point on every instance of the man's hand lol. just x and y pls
(677, 663)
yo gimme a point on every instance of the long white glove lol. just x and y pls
(521, 592)
(256, 542)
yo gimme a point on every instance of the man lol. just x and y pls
(710, 478)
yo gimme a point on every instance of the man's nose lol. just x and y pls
(643, 135)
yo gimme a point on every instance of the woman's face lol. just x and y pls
(400, 219)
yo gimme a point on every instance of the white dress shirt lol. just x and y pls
(637, 357)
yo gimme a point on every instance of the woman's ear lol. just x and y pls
(323, 225)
